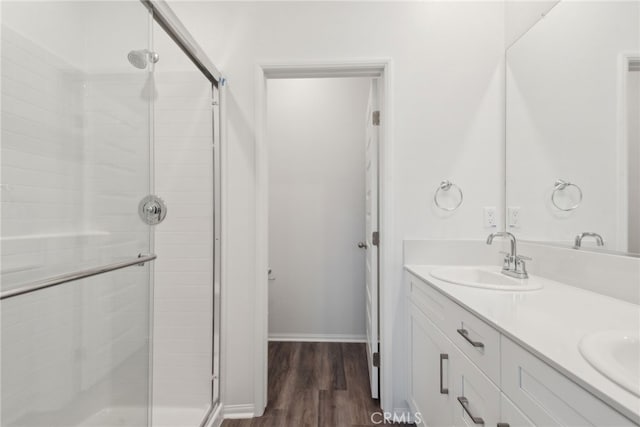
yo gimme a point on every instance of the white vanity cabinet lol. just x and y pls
(430, 358)
(463, 372)
(446, 387)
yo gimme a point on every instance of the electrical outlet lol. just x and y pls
(489, 216)
(513, 216)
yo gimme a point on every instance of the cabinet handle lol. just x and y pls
(443, 390)
(465, 405)
(502, 425)
(465, 335)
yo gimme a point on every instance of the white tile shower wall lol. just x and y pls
(117, 159)
(76, 348)
(42, 153)
(183, 319)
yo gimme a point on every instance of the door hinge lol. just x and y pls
(375, 238)
(376, 360)
(376, 118)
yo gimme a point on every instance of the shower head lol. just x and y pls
(139, 58)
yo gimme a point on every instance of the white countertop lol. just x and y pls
(550, 323)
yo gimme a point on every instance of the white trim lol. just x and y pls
(344, 68)
(215, 419)
(387, 240)
(164, 11)
(622, 228)
(224, 249)
(262, 247)
(318, 338)
(239, 411)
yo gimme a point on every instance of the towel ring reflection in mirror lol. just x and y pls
(447, 185)
(561, 185)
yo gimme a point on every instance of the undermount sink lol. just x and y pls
(487, 277)
(616, 355)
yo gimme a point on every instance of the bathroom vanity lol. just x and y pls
(480, 356)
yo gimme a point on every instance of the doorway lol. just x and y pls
(316, 149)
(277, 240)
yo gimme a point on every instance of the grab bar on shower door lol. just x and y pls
(76, 275)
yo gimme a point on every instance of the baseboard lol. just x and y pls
(408, 415)
(318, 337)
(215, 419)
(239, 411)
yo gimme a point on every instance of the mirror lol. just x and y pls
(573, 127)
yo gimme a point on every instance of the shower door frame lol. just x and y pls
(163, 16)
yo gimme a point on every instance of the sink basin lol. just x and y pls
(487, 277)
(616, 355)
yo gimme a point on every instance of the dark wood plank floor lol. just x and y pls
(316, 385)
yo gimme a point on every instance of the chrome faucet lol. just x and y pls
(514, 265)
(579, 237)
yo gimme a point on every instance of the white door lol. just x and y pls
(371, 241)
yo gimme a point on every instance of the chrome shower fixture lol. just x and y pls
(139, 58)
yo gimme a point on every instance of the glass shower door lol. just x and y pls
(76, 141)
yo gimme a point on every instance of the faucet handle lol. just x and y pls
(504, 253)
(523, 258)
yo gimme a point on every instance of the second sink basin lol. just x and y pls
(487, 277)
(616, 355)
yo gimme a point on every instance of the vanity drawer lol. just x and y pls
(547, 397)
(476, 398)
(436, 306)
(477, 340)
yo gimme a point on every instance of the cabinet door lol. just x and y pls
(430, 394)
(477, 399)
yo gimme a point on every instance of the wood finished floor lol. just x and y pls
(316, 385)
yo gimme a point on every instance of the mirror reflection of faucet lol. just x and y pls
(578, 240)
(514, 265)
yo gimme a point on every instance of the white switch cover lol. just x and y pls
(513, 216)
(489, 216)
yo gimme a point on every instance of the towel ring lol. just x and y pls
(561, 185)
(446, 185)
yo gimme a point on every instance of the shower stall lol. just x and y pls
(110, 232)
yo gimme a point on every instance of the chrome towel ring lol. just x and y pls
(447, 185)
(561, 185)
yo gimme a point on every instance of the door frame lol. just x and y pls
(622, 229)
(381, 68)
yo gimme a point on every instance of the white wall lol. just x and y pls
(562, 120)
(522, 15)
(447, 88)
(316, 138)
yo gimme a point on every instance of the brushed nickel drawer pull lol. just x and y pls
(465, 405)
(443, 390)
(465, 335)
